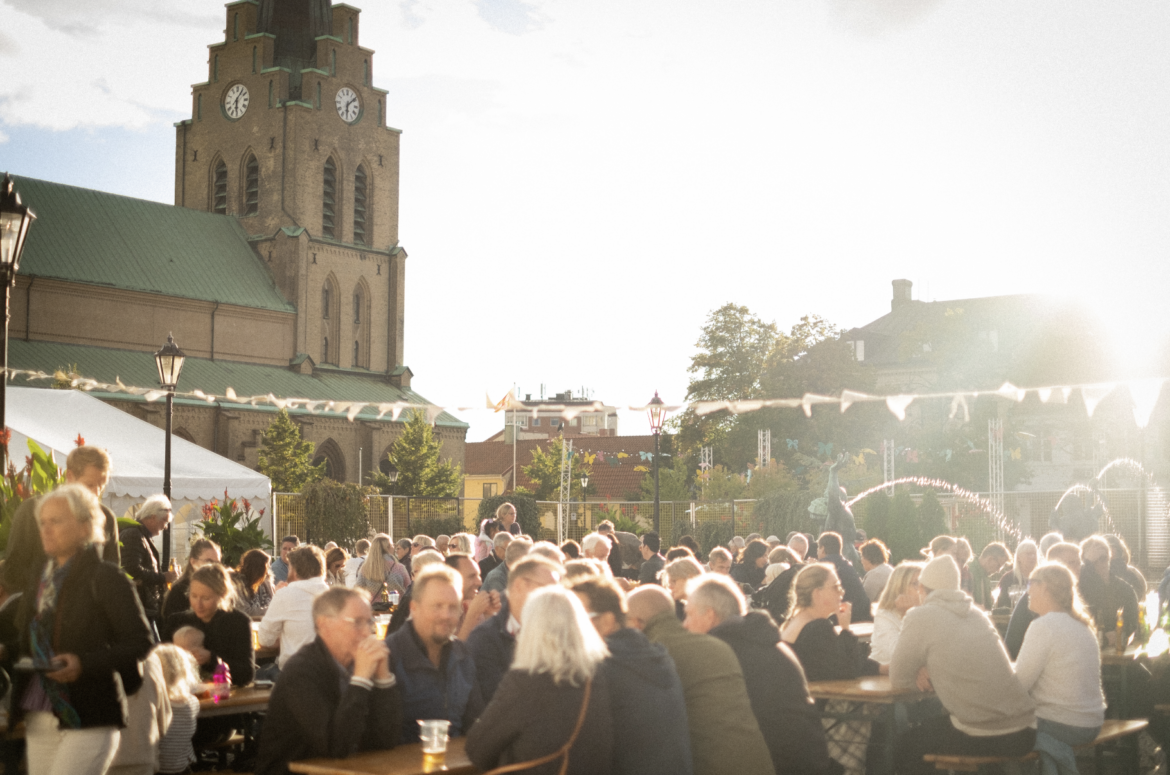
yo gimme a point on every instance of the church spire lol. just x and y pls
(296, 24)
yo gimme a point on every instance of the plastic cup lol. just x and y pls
(433, 735)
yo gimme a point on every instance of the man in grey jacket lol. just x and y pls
(949, 645)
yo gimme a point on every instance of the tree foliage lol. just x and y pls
(545, 471)
(420, 471)
(335, 511)
(286, 458)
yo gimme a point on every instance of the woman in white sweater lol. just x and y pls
(902, 592)
(1060, 666)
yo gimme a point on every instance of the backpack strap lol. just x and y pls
(562, 751)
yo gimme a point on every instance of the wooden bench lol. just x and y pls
(1111, 731)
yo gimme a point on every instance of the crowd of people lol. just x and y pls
(578, 658)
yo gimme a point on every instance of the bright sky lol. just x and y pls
(584, 181)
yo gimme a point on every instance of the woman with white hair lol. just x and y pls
(1025, 561)
(82, 633)
(675, 576)
(553, 704)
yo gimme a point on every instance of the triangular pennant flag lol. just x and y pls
(1008, 390)
(809, 399)
(1045, 394)
(1144, 393)
(898, 404)
(1092, 395)
(960, 402)
(848, 397)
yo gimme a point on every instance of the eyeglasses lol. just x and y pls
(365, 623)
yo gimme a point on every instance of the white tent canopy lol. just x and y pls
(55, 418)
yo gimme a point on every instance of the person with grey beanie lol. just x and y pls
(951, 646)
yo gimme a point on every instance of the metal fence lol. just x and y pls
(1139, 516)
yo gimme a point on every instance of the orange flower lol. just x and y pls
(5, 436)
(80, 440)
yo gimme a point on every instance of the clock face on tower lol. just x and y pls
(235, 102)
(349, 107)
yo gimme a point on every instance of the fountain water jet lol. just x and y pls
(995, 515)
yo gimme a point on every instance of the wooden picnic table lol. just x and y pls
(870, 688)
(403, 760)
(246, 699)
(874, 689)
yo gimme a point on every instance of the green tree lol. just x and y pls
(734, 346)
(905, 538)
(876, 517)
(932, 520)
(545, 472)
(420, 471)
(335, 511)
(286, 458)
(672, 483)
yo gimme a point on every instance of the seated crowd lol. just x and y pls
(590, 657)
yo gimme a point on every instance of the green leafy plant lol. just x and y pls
(335, 512)
(235, 526)
(39, 475)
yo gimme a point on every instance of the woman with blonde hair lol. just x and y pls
(461, 543)
(227, 633)
(1060, 667)
(553, 704)
(902, 592)
(382, 567)
(335, 560)
(826, 654)
(1026, 558)
(203, 552)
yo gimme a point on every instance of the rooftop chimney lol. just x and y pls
(901, 293)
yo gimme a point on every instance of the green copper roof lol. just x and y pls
(137, 369)
(92, 237)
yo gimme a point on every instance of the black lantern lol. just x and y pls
(169, 361)
(15, 220)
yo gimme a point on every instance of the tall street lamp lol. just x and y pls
(657, 413)
(170, 362)
(584, 498)
(15, 218)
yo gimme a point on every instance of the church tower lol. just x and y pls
(288, 136)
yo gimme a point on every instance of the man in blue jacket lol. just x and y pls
(650, 731)
(493, 643)
(434, 671)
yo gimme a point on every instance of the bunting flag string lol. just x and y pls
(1143, 394)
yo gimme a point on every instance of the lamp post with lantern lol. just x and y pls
(584, 499)
(15, 219)
(169, 361)
(657, 414)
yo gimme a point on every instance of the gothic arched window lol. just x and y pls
(360, 196)
(356, 353)
(251, 186)
(329, 204)
(219, 191)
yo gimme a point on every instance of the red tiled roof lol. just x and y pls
(613, 478)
